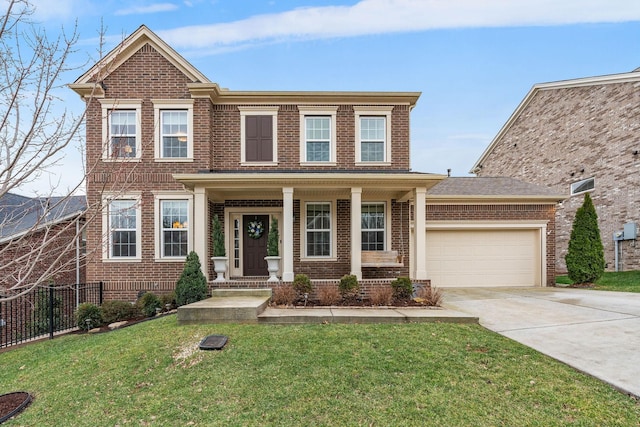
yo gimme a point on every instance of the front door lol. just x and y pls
(254, 244)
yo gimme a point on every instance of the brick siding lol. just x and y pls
(569, 134)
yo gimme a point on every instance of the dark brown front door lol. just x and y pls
(254, 250)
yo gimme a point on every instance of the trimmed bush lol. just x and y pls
(284, 295)
(91, 312)
(115, 311)
(585, 255)
(192, 285)
(273, 238)
(302, 284)
(218, 238)
(148, 303)
(349, 286)
(168, 299)
(402, 288)
(328, 295)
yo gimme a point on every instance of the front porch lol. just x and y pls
(328, 222)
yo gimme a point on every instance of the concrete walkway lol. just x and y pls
(595, 332)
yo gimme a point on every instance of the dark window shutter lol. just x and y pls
(259, 139)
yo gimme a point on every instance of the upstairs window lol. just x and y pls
(173, 133)
(583, 186)
(373, 230)
(173, 120)
(259, 135)
(373, 134)
(121, 134)
(318, 139)
(318, 135)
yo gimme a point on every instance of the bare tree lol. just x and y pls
(34, 129)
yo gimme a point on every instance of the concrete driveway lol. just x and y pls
(594, 331)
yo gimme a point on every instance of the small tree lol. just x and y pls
(585, 256)
(273, 238)
(218, 238)
(192, 285)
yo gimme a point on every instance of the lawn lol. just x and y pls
(621, 281)
(152, 374)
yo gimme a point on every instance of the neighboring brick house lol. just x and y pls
(578, 136)
(41, 240)
(168, 150)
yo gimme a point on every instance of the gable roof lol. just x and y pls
(20, 214)
(633, 76)
(491, 189)
(85, 85)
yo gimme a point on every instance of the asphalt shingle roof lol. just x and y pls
(19, 214)
(488, 186)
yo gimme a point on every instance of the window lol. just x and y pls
(122, 133)
(373, 134)
(318, 229)
(175, 228)
(583, 186)
(318, 135)
(372, 139)
(121, 129)
(259, 135)
(173, 133)
(123, 229)
(174, 124)
(373, 227)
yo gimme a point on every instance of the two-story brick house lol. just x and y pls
(577, 136)
(167, 150)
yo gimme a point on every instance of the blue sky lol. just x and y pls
(473, 61)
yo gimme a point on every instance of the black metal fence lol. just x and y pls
(44, 311)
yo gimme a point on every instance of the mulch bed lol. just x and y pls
(12, 404)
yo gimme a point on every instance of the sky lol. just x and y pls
(473, 61)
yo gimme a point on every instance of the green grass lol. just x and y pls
(621, 281)
(309, 375)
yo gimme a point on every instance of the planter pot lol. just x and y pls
(273, 265)
(220, 267)
(12, 404)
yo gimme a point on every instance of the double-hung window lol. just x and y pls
(373, 227)
(175, 228)
(373, 134)
(318, 135)
(318, 229)
(123, 229)
(174, 134)
(121, 132)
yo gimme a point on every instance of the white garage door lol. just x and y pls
(483, 257)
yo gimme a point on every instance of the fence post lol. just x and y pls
(101, 290)
(51, 299)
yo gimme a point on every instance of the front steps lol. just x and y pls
(226, 306)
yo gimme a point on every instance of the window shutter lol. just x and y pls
(259, 139)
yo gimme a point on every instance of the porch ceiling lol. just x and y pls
(235, 186)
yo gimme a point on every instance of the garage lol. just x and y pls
(484, 257)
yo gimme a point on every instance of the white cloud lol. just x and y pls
(395, 16)
(62, 10)
(143, 10)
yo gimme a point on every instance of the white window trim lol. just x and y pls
(579, 183)
(172, 104)
(258, 111)
(120, 104)
(158, 198)
(323, 110)
(106, 227)
(333, 232)
(387, 221)
(379, 111)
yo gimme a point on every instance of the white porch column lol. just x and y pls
(420, 233)
(356, 232)
(200, 229)
(287, 234)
